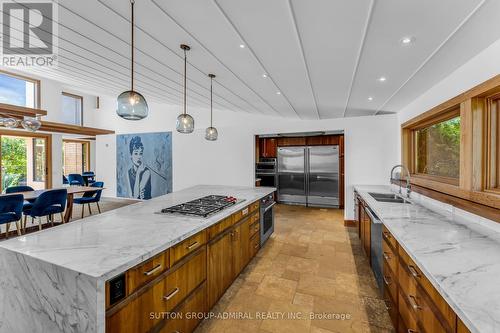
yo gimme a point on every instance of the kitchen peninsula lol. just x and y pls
(105, 272)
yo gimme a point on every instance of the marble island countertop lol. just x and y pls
(104, 245)
(461, 260)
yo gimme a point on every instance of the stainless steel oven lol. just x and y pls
(266, 217)
(265, 169)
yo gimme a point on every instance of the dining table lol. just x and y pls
(72, 190)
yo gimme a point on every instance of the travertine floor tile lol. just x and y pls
(312, 264)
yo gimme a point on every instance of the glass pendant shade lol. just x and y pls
(132, 105)
(211, 133)
(10, 122)
(31, 124)
(185, 123)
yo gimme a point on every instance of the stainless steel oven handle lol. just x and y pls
(269, 207)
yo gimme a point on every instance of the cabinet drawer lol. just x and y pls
(255, 217)
(254, 228)
(186, 317)
(392, 307)
(218, 228)
(409, 321)
(185, 279)
(389, 238)
(407, 287)
(390, 281)
(241, 214)
(427, 317)
(187, 246)
(254, 206)
(446, 313)
(145, 272)
(390, 257)
(254, 245)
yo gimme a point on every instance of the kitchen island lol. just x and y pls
(440, 270)
(98, 274)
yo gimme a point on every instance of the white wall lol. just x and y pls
(370, 146)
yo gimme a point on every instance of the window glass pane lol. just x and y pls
(17, 91)
(38, 160)
(438, 149)
(73, 153)
(72, 110)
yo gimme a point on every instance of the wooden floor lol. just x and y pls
(106, 205)
(311, 265)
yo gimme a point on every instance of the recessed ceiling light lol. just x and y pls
(278, 93)
(264, 75)
(370, 98)
(408, 40)
(382, 79)
(242, 46)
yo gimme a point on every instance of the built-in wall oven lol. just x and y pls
(265, 170)
(266, 217)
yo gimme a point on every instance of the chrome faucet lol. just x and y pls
(408, 185)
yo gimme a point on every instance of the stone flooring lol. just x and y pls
(311, 276)
(106, 205)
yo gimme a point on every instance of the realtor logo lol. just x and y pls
(29, 33)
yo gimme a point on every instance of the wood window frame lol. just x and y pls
(87, 150)
(67, 94)
(48, 153)
(30, 79)
(472, 189)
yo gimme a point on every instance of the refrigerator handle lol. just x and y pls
(306, 171)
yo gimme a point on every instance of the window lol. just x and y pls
(39, 160)
(437, 149)
(72, 109)
(75, 156)
(19, 90)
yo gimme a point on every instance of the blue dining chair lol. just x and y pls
(49, 203)
(76, 179)
(89, 177)
(11, 210)
(28, 204)
(90, 197)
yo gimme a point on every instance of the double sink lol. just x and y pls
(388, 197)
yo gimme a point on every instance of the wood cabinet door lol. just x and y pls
(267, 147)
(243, 247)
(367, 235)
(237, 250)
(220, 268)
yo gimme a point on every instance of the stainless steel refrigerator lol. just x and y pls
(309, 176)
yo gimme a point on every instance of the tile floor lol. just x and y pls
(312, 265)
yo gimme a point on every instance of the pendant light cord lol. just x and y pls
(185, 70)
(211, 112)
(132, 49)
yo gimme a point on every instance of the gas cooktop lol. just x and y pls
(203, 207)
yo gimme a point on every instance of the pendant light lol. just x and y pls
(31, 124)
(131, 104)
(185, 123)
(10, 122)
(211, 132)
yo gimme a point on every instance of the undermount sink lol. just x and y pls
(388, 197)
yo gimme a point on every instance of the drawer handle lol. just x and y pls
(387, 280)
(172, 294)
(413, 302)
(386, 235)
(412, 331)
(256, 246)
(192, 245)
(154, 270)
(244, 211)
(413, 271)
(387, 256)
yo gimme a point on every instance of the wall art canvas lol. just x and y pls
(143, 165)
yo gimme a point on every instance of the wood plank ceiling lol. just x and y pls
(307, 59)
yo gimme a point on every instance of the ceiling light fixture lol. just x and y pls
(211, 133)
(31, 124)
(242, 46)
(185, 123)
(278, 93)
(406, 41)
(131, 104)
(370, 98)
(382, 79)
(264, 75)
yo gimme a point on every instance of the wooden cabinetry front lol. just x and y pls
(165, 293)
(421, 308)
(366, 232)
(267, 147)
